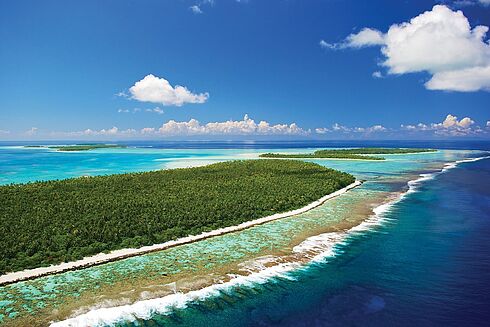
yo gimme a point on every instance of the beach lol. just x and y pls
(127, 253)
(247, 258)
(315, 249)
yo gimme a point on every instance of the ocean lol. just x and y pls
(422, 258)
(427, 265)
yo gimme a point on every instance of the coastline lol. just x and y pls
(312, 158)
(324, 244)
(102, 258)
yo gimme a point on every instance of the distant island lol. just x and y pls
(59, 221)
(358, 153)
(78, 147)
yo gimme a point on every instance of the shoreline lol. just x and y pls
(327, 240)
(312, 158)
(102, 258)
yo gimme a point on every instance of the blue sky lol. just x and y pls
(70, 70)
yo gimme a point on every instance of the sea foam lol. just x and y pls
(316, 248)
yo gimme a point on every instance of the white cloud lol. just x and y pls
(377, 128)
(322, 130)
(147, 130)
(377, 74)
(337, 128)
(112, 131)
(196, 9)
(3, 132)
(247, 126)
(366, 37)
(121, 94)
(452, 121)
(325, 45)
(440, 42)
(418, 127)
(158, 90)
(463, 3)
(32, 131)
(464, 80)
(450, 126)
(157, 110)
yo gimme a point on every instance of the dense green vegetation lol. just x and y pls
(50, 222)
(85, 147)
(358, 153)
(77, 147)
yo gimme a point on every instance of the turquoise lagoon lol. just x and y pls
(179, 285)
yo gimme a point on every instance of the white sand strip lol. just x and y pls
(101, 258)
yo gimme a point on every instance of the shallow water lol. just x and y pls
(255, 251)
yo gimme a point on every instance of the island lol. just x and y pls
(356, 154)
(46, 223)
(77, 147)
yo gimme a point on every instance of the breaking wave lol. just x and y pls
(316, 248)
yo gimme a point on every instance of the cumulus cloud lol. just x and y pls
(158, 90)
(114, 131)
(366, 37)
(418, 127)
(4, 132)
(450, 126)
(464, 80)
(338, 128)
(322, 130)
(247, 126)
(452, 121)
(440, 42)
(111, 131)
(377, 74)
(148, 130)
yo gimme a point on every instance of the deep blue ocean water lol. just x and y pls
(430, 266)
(427, 265)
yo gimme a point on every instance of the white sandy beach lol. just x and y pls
(126, 253)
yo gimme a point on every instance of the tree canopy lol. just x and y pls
(43, 223)
(358, 153)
